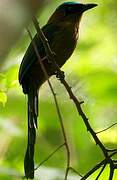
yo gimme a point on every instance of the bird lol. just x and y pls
(61, 31)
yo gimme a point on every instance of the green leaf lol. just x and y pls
(11, 77)
(3, 98)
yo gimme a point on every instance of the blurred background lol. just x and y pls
(92, 74)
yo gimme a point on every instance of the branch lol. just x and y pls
(71, 168)
(111, 171)
(96, 167)
(106, 128)
(59, 147)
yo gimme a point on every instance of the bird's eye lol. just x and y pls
(68, 10)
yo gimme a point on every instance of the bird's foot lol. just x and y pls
(51, 57)
(60, 75)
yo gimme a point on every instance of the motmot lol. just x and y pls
(62, 31)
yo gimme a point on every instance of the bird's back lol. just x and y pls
(62, 41)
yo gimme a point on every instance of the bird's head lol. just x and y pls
(69, 11)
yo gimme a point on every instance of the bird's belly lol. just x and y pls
(64, 47)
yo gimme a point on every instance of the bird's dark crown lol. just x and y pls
(70, 7)
(73, 4)
(75, 7)
(69, 3)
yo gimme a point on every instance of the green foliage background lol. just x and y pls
(92, 74)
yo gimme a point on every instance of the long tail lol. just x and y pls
(32, 125)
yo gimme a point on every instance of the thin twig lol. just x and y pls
(47, 158)
(48, 50)
(59, 147)
(84, 117)
(115, 161)
(106, 128)
(93, 170)
(40, 60)
(71, 168)
(111, 171)
(111, 150)
(101, 171)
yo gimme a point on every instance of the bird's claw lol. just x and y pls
(60, 75)
(51, 56)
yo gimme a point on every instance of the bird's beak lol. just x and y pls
(88, 6)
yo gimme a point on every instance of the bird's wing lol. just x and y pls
(30, 56)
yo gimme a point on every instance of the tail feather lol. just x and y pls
(36, 108)
(32, 125)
